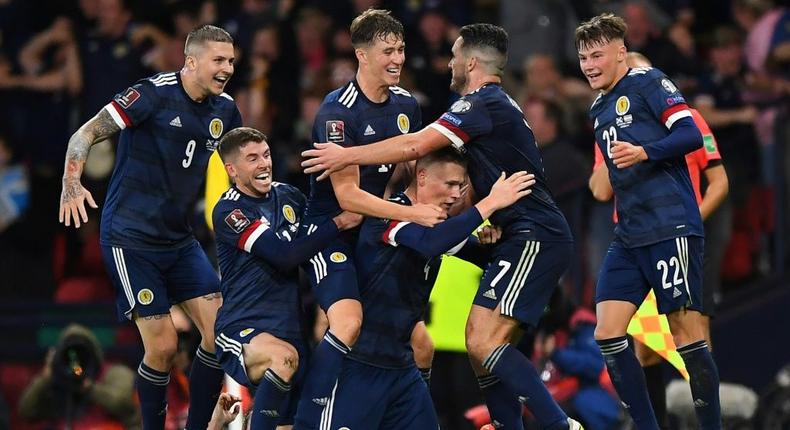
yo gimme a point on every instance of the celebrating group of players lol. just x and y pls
(373, 276)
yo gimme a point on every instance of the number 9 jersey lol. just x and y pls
(162, 155)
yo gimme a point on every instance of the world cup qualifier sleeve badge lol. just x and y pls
(335, 131)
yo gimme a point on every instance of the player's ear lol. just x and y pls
(190, 62)
(362, 55)
(230, 170)
(421, 177)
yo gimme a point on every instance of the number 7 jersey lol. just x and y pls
(161, 159)
(655, 199)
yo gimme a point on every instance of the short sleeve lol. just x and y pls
(236, 226)
(663, 98)
(467, 119)
(334, 124)
(134, 105)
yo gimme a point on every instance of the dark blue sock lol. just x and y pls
(325, 366)
(425, 373)
(704, 380)
(518, 374)
(503, 406)
(629, 381)
(152, 390)
(268, 399)
(205, 384)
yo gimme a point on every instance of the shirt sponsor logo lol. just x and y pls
(335, 131)
(237, 221)
(215, 128)
(128, 98)
(403, 123)
(452, 119)
(675, 100)
(624, 121)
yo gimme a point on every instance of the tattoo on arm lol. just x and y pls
(95, 130)
(155, 317)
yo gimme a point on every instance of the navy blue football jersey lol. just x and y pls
(489, 127)
(655, 199)
(348, 118)
(253, 289)
(161, 161)
(397, 264)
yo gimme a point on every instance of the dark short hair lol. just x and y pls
(485, 35)
(234, 140)
(600, 29)
(374, 24)
(444, 155)
(205, 33)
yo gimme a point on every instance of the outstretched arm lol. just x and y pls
(74, 195)
(330, 158)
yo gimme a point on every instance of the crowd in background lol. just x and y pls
(61, 62)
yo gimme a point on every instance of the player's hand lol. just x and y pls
(347, 220)
(489, 234)
(625, 154)
(72, 202)
(227, 408)
(326, 157)
(426, 215)
(507, 191)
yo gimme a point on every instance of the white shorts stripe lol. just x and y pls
(519, 278)
(326, 415)
(682, 245)
(123, 275)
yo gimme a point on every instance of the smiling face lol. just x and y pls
(383, 59)
(212, 64)
(603, 63)
(251, 169)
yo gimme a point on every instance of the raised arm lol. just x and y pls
(330, 158)
(74, 195)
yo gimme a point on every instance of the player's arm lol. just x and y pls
(74, 195)
(434, 241)
(474, 252)
(329, 157)
(716, 191)
(354, 199)
(599, 182)
(683, 137)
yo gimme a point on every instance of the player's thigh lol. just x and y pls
(674, 269)
(333, 275)
(192, 275)
(621, 277)
(411, 406)
(522, 276)
(159, 336)
(360, 399)
(245, 352)
(138, 277)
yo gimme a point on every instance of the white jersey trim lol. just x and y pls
(685, 113)
(457, 142)
(394, 231)
(116, 116)
(254, 236)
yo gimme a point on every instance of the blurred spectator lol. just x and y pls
(429, 58)
(540, 27)
(14, 186)
(566, 173)
(77, 389)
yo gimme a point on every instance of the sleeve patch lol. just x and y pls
(237, 221)
(335, 131)
(709, 143)
(128, 98)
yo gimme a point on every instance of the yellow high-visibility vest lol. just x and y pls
(217, 182)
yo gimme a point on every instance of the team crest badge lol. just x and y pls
(215, 128)
(289, 214)
(337, 257)
(622, 105)
(145, 296)
(246, 332)
(403, 123)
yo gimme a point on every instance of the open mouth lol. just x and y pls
(263, 177)
(394, 71)
(221, 80)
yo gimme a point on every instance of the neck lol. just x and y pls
(622, 70)
(374, 90)
(411, 192)
(477, 81)
(190, 86)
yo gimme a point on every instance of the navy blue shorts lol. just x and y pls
(150, 282)
(522, 276)
(672, 268)
(229, 345)
(332, 273)
(369, 397)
